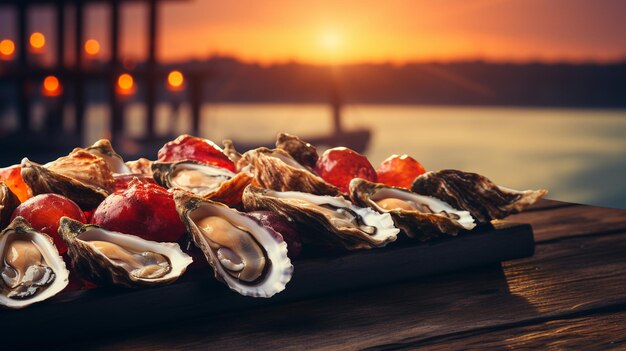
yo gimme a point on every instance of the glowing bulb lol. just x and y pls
(175, 80)
(37, 41)
(92, 47)
(7, 47)
(125, 84)
(51, 86)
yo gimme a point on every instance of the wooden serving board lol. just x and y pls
(107, 310)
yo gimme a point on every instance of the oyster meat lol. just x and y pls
(419, 216)
(331, 221)
(111, 257)
(81, 176)
(31, 269)
(205, 180)
(301, 151)
(277, 170)
(8, 204)
(475, 193)
(249, 257)
(104, 149)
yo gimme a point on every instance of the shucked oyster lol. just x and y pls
(82, 177)
(31, 269)
(475, 193)
(332, 221)
(250, 258)
(112, 257)
(277, 170)
(211, 182)
(140, 166)
(8, 204)
(417, 215)
(104, 149)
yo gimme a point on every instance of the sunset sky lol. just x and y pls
(348, 31)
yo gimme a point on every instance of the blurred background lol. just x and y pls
(531, 93)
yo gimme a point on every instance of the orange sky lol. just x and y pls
(323, 31)
(348, 31)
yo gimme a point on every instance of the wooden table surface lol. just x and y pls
(570, 294)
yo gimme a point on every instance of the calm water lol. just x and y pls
(579, 155)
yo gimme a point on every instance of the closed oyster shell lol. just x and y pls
(104, 149)
(426, 216)
(230, 151)
(245, 255)
(299, 150)
(163, 263)
(475, 193)
(140, 166)
(326, 221)
(36, 273)
(8, 204)
(87, 188)
(277, 170)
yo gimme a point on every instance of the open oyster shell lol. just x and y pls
(123, 259)
(249, 257)
(8, 204)
(211, 182)
(87, 181)
(301, 151)
(419, 216)
(331, 221)
(277, 170)
(31, 269)
(104, 149)
(475, 193)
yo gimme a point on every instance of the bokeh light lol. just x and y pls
(37, 41)
(175, 80)
(125, 84)
(7, 48)
(51, 86)
(92, 47)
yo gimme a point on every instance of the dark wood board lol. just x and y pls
(198, 294)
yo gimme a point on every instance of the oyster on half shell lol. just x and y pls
(331, 221)
(475, 193)
(31, 269)
(419, 216)
(123, 259)
(249, 257)
(209, 181)
(277, 170)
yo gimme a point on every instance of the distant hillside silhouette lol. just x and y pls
(466, 83)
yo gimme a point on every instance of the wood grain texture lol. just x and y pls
(572, 221)
(565, 279)
(605, 331)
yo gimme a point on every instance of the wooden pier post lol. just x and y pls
(151, 74)
(116, 116)
(23, 103)
(79, 84)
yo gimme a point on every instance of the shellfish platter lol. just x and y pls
(205, 229)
